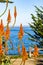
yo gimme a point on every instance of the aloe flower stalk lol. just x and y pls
(20, 36)
(15, 15)
(6, 1)
(5, 8)
(9, 17)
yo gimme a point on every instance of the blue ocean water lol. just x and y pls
(16, 41)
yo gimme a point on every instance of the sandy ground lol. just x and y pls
(28, 62)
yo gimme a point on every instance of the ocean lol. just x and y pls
(15, 41)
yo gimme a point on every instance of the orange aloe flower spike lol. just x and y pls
(9, 16)
(8, 30)
(19, 36)
(0, 46)
(7, 33)
(21, 30)
(24, 53)
(2, 27)
(15, 13)
(1, 51)
(35, 53)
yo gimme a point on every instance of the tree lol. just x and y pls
(37, 27)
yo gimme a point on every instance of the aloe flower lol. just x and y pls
(35, 53)
(9, 17)
(21, 32)
(15, 15)
(15, 12)
(1, 28)
(7, 33)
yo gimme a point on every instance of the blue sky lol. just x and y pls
(24, 10)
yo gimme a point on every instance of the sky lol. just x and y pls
(24, 10)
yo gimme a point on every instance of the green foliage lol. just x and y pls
(37, 27)
(3, 1)
(5, 60)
